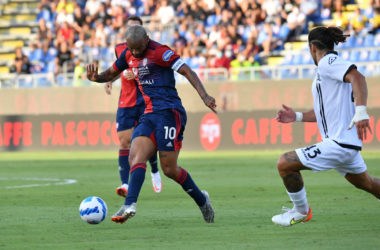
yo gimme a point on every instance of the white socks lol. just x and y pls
(299, 200)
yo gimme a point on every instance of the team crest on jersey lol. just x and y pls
(135, 72)
(166, 56)
(145, 62)
(332, 59)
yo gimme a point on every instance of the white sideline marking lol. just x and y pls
(56, 182)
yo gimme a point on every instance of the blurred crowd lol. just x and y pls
(206, 33)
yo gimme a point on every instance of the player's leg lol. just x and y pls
(124, 168)
(168, 160)
(289, 167)
(142, 149)
(155, 174)
(365, 182)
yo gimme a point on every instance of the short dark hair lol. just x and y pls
(326, 37)
(135, 18)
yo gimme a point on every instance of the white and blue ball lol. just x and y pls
(93, 210)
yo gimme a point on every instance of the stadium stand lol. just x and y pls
(220, 39)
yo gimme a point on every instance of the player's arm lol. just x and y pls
(360, 93)
(106, 76)
(112, 72)
(287, 115)
(193, 78)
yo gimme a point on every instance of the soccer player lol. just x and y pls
(131, 107)
(340, 99)
(162, 125)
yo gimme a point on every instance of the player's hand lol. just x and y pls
(92, 72)
(129, 75)
(361, 120)
(286, 115)
(210, 102)
(108, 87)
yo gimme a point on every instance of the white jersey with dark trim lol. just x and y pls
(333, 100)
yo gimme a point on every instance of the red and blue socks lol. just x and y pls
(124, 167)
(137, 179)
(187, 183)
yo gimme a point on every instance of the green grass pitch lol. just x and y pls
(244, 187)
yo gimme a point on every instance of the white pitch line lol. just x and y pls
(56, 182)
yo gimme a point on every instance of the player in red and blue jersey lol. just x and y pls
(162, 125)
(130, 107)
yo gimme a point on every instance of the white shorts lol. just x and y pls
(328, 155)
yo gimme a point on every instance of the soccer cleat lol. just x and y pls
(291, 217)
(124, 213)
(207, 210)
(156, 182)
(122, 190)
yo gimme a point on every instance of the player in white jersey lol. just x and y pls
(340, 99)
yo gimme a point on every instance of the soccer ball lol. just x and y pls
(93, 210)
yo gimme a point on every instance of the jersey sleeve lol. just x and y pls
(337, 68)
(121, 63)
(166, 57)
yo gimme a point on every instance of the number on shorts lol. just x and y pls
(316, 151)
(170, 132)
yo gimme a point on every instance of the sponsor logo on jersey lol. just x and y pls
(166, 56)
(148, 82)
(169, 144)
(332, 59)
(210, 132)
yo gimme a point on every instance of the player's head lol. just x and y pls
(323, 39)
(137, 40)
(134, 20)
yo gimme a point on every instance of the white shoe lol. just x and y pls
(207, 210)
(291, 217)
(156, 182)
(124, 213)
(122, 190)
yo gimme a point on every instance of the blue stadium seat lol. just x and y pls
(359, 41)
(297, 59)
(354, 56)
(307, 59)
(43, 82)
(345, 54)
(288, 59)
(308, 73)
(211, 20)
(24, 82)
(364, 56)
(373, 55)
(370, 70)
(362, 69)
(350, 42)
(369, 40)
(376, 41)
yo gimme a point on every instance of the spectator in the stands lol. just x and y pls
(21, 63)
(375, 21)
(358, 21)
(43, 33)
(340, 20)
(79, 74)
(64, 58)
(165, 12)
(178, 41)
(65, 33)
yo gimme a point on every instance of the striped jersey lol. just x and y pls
(154, 73)
(333, 100)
